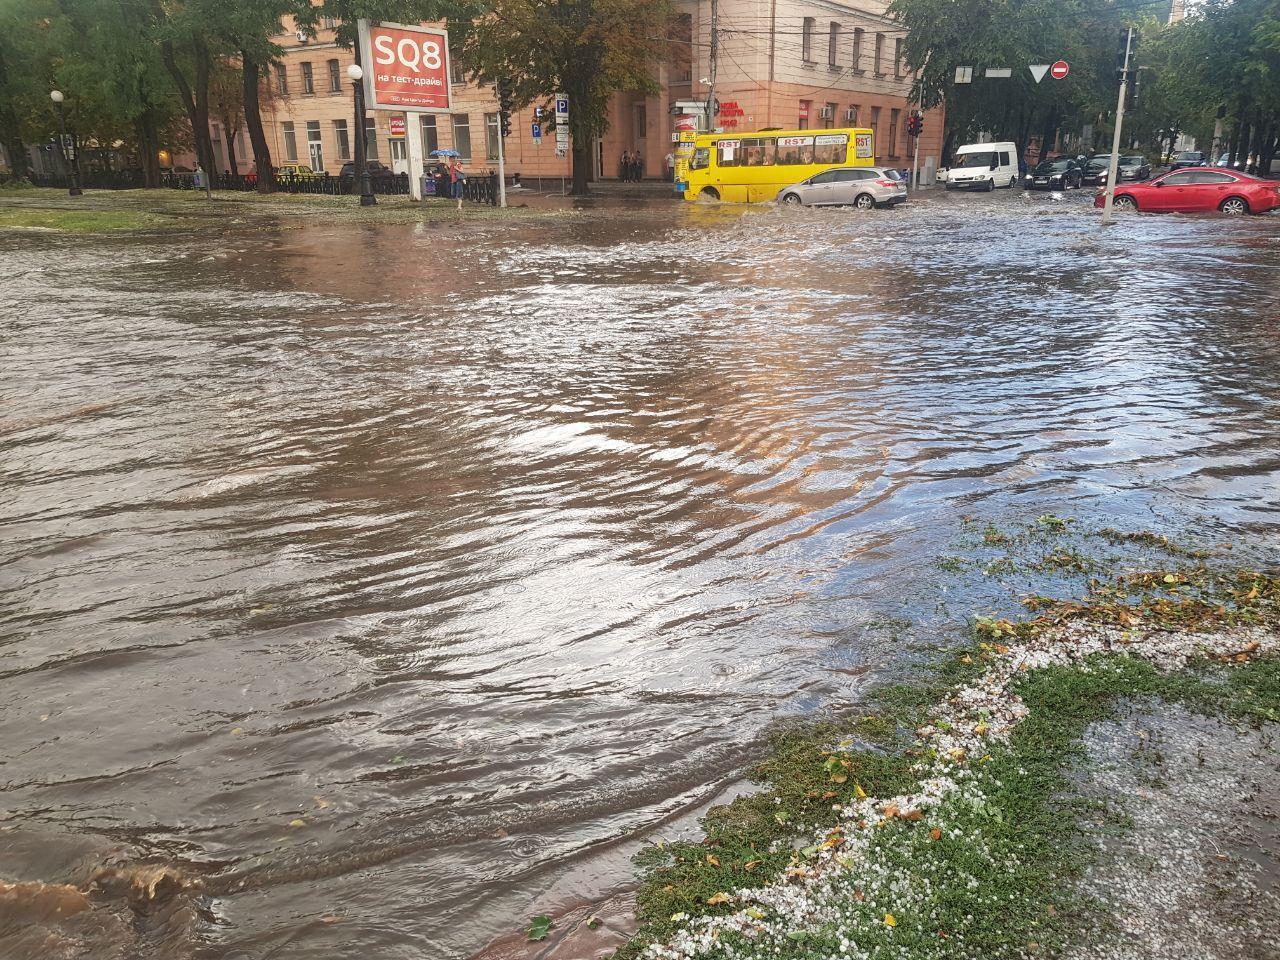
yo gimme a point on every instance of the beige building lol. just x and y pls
(780, 63)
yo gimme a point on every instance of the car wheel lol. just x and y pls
(791, 199)
(1234, 206)
(710, 193)
(864, 201)
(1125, 203)
(991, 184)
(948, 186)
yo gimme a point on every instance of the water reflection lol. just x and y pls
(369, 577)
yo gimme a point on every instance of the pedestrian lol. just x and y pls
(623, 159)
(670, 164)
(639, 167)
(626, 166)
(456, 179)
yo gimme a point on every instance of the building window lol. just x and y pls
(806, 41)
(457, 72)
(829, 115)
(430, 135)
(805, 105)
(897, 57)
(879, 61)
(399, 148)
(833, 46)
(640, 122)
(308, 81)
(893, 132)
(857, 49)
(491, 136)
(462, 135)
(329, 23)
(875, 128)
(340, 139)
(335, 77)
(282, 80)
(370, 140)
(290, 141)
(315, 147)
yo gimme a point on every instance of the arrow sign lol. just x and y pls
(1059, 70)
(1038, 70)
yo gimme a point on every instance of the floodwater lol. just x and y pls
(366, 590)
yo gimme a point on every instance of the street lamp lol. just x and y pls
(367, 199)
(68, 155)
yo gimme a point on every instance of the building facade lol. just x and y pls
(805, 64)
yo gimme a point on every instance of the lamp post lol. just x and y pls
(367, 199)
(68, 156)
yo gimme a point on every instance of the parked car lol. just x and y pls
(1198, 191)
(983, 166)
(1129, 168)
(376, 169)
(1060, 173)
(296, 171)
(1188, 158)
(862, 187)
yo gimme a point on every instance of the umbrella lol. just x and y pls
(444, 153)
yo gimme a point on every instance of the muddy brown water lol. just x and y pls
(483, 552)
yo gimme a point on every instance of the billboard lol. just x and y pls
(406, 68)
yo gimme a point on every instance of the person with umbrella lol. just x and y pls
(455, 174)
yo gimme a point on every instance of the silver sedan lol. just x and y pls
(862, 187)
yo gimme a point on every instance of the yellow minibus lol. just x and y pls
(753, 167)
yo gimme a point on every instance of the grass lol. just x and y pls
(992, 871)
(78, 221)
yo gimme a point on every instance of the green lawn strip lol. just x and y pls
(79, 221)
(1000, 880)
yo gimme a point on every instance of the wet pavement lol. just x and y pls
(382, 586)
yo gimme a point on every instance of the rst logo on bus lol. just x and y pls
(405, 67)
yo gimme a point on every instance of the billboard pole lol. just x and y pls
(1115, 137)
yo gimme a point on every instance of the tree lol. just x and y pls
(587, 49)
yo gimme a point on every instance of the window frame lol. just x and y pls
(806, 39)
(833, 46)
(335, 76)
(877, 66)
(454, 127)
(308, 75)
(858, 35)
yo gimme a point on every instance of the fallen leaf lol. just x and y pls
(539, 928)
(299, 822)
(913, 816)
(718, 899)
(890, 811)
(677, 917)
(859, 792)
(839, 777)
(935, 834)
(859, 895)
(713, 859)
(751, 865)
(755, 913)
(593, 922)
(330, 918)
(890, 920)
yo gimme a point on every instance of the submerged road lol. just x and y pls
(381, 584)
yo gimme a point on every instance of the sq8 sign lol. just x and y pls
(406, 68)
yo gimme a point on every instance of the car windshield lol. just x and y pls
(889, 174)
(1132, 161)
(1051, 166)
(983, 159)
(1100, 163)
(1187, 155)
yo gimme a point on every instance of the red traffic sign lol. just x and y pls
(1060, 70)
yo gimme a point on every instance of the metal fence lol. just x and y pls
(480, 188)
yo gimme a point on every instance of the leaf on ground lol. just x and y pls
(298, 822)
(890, 920)
(750, 865)
(593, 922)
(755, 913)
(713, 859)
(677, 917)
(718, 899)
(540, 927)
(935, 834)
(859, 792)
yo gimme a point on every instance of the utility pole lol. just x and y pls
(711, 73)
(1115, 137)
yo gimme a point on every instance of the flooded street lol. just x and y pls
(384, 583)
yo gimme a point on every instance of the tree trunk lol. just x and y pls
(148, 147)
(1233, 147)
(195, 102)
(948, 145)
(10, 134)
(1049, 133)
(251, 71)
(233, 164)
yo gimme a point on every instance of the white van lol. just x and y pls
(983, 166)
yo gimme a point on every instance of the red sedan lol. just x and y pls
(1198, 190)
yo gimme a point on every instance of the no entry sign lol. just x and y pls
(406, 68)
(1060, 70)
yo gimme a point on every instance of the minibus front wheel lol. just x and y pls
(710, 193)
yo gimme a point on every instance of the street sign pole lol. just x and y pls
(1115, 137)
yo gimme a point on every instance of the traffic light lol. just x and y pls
(1126, 51)
(915, 125)
(506, 104)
